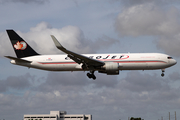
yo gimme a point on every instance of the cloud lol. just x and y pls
(169, 44)
(75, 81)
(24, 1)
(137, 94)
(5, 44)
(70, 37)
(104, 42)
(16, 83)
(149, 19)
(129, 3)
(143, 94)
(174, 76)
(137, 82)
(39, 38)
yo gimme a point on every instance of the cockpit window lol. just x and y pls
(169, 57)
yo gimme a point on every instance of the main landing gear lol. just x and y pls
(91, 75)
(163, 70)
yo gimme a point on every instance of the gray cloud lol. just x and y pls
(104, 42)
(149, 19)
(63, 81)
(129, 3)
(174, 76)
(24, 1)
(75, 81)
(16, 83)
(137, 94)
(169, 44)
(136, 82)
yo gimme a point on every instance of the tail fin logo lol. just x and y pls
(20, 45)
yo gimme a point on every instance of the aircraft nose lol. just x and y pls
(173, 61)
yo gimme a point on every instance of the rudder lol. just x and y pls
(21, 48)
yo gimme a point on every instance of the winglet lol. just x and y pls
(58, 45)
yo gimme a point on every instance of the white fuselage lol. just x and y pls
(127, 61)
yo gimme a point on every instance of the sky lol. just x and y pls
(91, 26)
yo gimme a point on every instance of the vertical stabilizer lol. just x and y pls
(21, 48)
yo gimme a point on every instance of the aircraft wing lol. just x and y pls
(78, 58)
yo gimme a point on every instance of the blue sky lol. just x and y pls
(91, 26)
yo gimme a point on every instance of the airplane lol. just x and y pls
(109, 64)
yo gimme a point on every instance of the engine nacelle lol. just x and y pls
(110, 68)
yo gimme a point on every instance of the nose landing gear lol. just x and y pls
(91, 75)
(163, 70)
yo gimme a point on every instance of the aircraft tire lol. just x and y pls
(91, 76)
(162, 74)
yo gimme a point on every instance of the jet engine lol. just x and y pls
(110, 68)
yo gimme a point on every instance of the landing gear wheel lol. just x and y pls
(91, 75)
(162, 74)
(163, 70)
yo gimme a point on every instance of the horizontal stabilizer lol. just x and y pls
(18, 59)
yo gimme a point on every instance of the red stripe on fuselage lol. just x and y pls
(57, 62)
(140, 61)
(105, 61)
